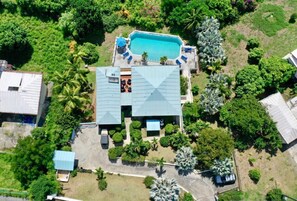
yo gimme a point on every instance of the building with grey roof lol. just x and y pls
(22, 94)
(281, 113)
(150, 91)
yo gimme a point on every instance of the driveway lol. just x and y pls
(88, 151)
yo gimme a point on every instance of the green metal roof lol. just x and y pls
(108, 96)
(153, 125)
(156, 91)
(64, 160)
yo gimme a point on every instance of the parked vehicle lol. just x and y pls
(226, 179)
(104, 138)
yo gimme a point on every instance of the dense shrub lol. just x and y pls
(252, 43)
(148, 181)
(117, 138)
(74, 173)
(293, 18)
(111, 132)
(170, 129)
(136, 124)
(195, 90)
(179, 140)
(183, 85)
(115, 152)
(90, 52)
(255, 55)
(12, 37)
(42, 187)
(255, 175)
(274, 195)
(130, 159)
(124, 134)
(165, 141)
(102, 184)
(136, 135)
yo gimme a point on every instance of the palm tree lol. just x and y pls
(222, 167)
(163, 60)
(77, 58)
(160, 163)
(155, 144)
(192, 20)
(73, 99)
(144, 57)
(185, 160)
(164, 190)
(100, 174)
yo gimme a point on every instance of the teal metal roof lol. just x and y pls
(156, 91)
(126, 99)
(64, 160)
(108, 96)
(153, 125)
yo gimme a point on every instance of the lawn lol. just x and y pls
(105, 49)
(120, 188)
(276, 171)
(167, 153)
(7, 179)
(201, 81)
(49, 49)
(269, 23)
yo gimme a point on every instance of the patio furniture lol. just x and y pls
(129, 89)
(123, 82)
(129, 81)
(184, 58)
(125, 54)
(178, 62)
(188, 49)
(130, 59)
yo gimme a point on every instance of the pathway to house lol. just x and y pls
(91, 156)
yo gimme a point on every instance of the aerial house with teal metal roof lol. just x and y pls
(152, 92)
(64, 164)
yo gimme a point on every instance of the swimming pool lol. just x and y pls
(156, 45)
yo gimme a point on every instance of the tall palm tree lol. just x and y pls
(100, 174)
(193, 19)
(155, 144)
(62, 79)
(144, 57)
(164, 190)
(160, 163)
(73, 99)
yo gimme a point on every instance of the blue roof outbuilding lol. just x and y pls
(64, 160)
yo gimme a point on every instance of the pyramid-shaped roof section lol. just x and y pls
(108, 104)
(280, 113)
(20, 92)
(156, 91)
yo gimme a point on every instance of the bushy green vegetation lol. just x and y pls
(183, 85)
(187, 197)
(231, 195)
(269, 19)
(115, 152)
(255, 175)
(275, 194)
(213, 144)
(250, 124)
(148, 181)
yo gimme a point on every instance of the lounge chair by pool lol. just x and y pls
(188, 49)
(130, 59)
(178, 62)
(125, 54)
(184, 58)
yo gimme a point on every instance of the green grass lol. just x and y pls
(201, 80)
(235, 37)
(269, 19)
(7, 179)
(49, 48)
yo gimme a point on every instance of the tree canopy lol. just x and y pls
(213, 144)
(43, 187)
(12, 37)
(249, 81)
(250, 124)
(32, 158)
(276, 71)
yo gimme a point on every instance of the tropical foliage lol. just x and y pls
(101, 178)
(275, 194)
(149, 181)
(222, 167)
(249, 81)
(185, 160)
(42, 187)
(179, 140)
(164, 189)
(183, 85)
(210, 43)
(211, 101)
(213, 144)
(255, 55)
(196, 127)
(250, 124)
(255, 175)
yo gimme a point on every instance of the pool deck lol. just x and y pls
(186, 67)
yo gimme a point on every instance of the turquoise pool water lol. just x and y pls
(156, 45)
